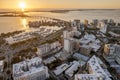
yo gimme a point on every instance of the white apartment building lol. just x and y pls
(67, 42)
(32, 69)
(96, 72)
(74, 67)
(60, 69)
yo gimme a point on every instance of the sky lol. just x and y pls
(81, 4)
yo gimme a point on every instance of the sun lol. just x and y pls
(22, 5)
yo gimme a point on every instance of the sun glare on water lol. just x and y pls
(22, 5)
(24, 22)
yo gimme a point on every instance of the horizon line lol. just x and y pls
(61, 8)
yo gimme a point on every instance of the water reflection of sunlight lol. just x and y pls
(24, 23)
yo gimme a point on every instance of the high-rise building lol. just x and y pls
(95, 22)
(67, 41)
(70, 39)
(105, 21)
(103, 29)
(101, 24)
(85, 22)
(77, 22)
(111, 21)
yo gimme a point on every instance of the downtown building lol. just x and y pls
(32, 69)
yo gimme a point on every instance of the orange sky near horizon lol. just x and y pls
(82, 4)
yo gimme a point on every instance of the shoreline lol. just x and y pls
(13, 15)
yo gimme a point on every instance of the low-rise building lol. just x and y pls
(74, 67)
(60, 69)
(85, 49)
(79, 56)
(49, 60)
(113, 34)
(96, 72)
(62, 55)
(113, 28)
(111, 49)
(19, 37)
(117, 58)
(44, 50)
(43, 31)
(86, 77)
(32, 69)
(89, 42)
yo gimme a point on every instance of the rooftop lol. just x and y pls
(61, 68)
(49, 60)
(28, 67)
(96, 71)
(80, 57)
(19, 37)
(62, 55)
(86, 77)
(89, 40)
(74, 67)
